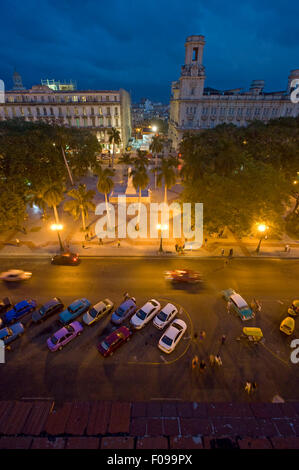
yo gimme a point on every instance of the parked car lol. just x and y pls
(145, 314)
(15, 275)
(186, 276)
(294, 308)
(18, 311)
(98, 311)
(5, 303)
(238, 304)
(287, 326)
(165, 316)
(114, 341)
(74, 310)
(66, 259)
(64, 336)
(124, 311)
(172, 336)
(54, 305)
(9, 334)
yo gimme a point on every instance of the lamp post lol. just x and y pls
(262, 228)
(161, 227)
(57, 228)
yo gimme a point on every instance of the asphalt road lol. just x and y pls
(138, 370)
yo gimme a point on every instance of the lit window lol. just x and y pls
(75, 98)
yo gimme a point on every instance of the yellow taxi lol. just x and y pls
(287, 325)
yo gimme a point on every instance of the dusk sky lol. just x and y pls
(139, 46)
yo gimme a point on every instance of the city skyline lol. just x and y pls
(117, 45)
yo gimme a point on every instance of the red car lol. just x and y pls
(114, 341)
(183, 275)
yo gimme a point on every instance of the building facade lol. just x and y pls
(194, 107)
(96, 110)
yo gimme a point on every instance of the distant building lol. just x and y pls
(146, 110)
(97, 110)
(17, 81)
(194, 107)
(57, 85)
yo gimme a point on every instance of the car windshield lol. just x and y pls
(54, 340)
(141, 314)
(120, 312)
(42, 310)
(93, 313)
(69, 328)
(162, 316)
(105, 345)
(167, 340)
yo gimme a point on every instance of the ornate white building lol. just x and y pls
(194, 107)
(96, 110)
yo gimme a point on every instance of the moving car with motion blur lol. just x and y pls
(98, 311)
(124, 311)
(165, 316)
(114, 341)
(172, 336)
(184, 276)
(73, 311)
(64, 336)
(238, 304)
(287, 326)
(145, 314)
(15, 275)
(9, 334)
(294, 308)
(66, 259)
(54, 305)
(18, 311)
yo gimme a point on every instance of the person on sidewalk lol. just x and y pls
(195, 362)
(212, 360)
(202, 365)
(248, 387)
(218, 360)
(231, 253)
(118, 244)
(223, 339)
(202, 335)
(126, 296)
(17, 242)
(222, 252)
(100, 241)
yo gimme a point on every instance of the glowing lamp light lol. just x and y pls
(154, 128)
(262, 228)
(56, 227)
(162, 227)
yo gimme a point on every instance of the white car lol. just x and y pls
(14, 275)
(145, 314)
(172, 336)
(165, 316)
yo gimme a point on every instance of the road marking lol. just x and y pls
(275, 355)
(163, 358)
(280, 302)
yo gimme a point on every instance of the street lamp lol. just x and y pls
(262, 228)
(161, 227)
(57, 228)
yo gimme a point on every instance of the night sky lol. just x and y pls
(139, 45)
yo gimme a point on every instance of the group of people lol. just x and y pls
(215, 360)
(250, 387)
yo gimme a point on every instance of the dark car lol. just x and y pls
(53, 306)
(5, 304)
(66, 259)
(114, 341)
(19, 310)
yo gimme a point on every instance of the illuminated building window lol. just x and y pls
(75, 98)
(83, 98)
(78, 122)
(107, 98)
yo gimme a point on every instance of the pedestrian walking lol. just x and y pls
(223, 339)
(212, 360)
(218, 360)
(195, 362)
(206, 241)
(258, 305)
(253, 386)
(176, 247)
(118, 243)
(286, 248)
(231, 252)
(83, 246)
(228, 306)
(248, 387)
(126, 296)
(202, 365)
(100, 241)
(202, 335)
(222, 252)
(17, 242)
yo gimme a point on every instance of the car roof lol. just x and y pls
(113, 336)
(127, 303)
(21, 304)
(172, 331)
(168, 308)
(51, 302)
(14, 271)
(76, 303)
(239, 301)
(99, 306)
(149, 305)
(62, 332)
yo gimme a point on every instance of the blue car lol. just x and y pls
(125, 310)
(73, 311)
(19, 310)
(9, 334)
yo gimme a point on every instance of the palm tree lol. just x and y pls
(52, 194)
(80, 203)
(36, 199)
(114, 139)
(105, 184)
(126, 160)
(140, 181)
(156, 147)
(166, 172)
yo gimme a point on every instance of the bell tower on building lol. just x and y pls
(193, 72)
